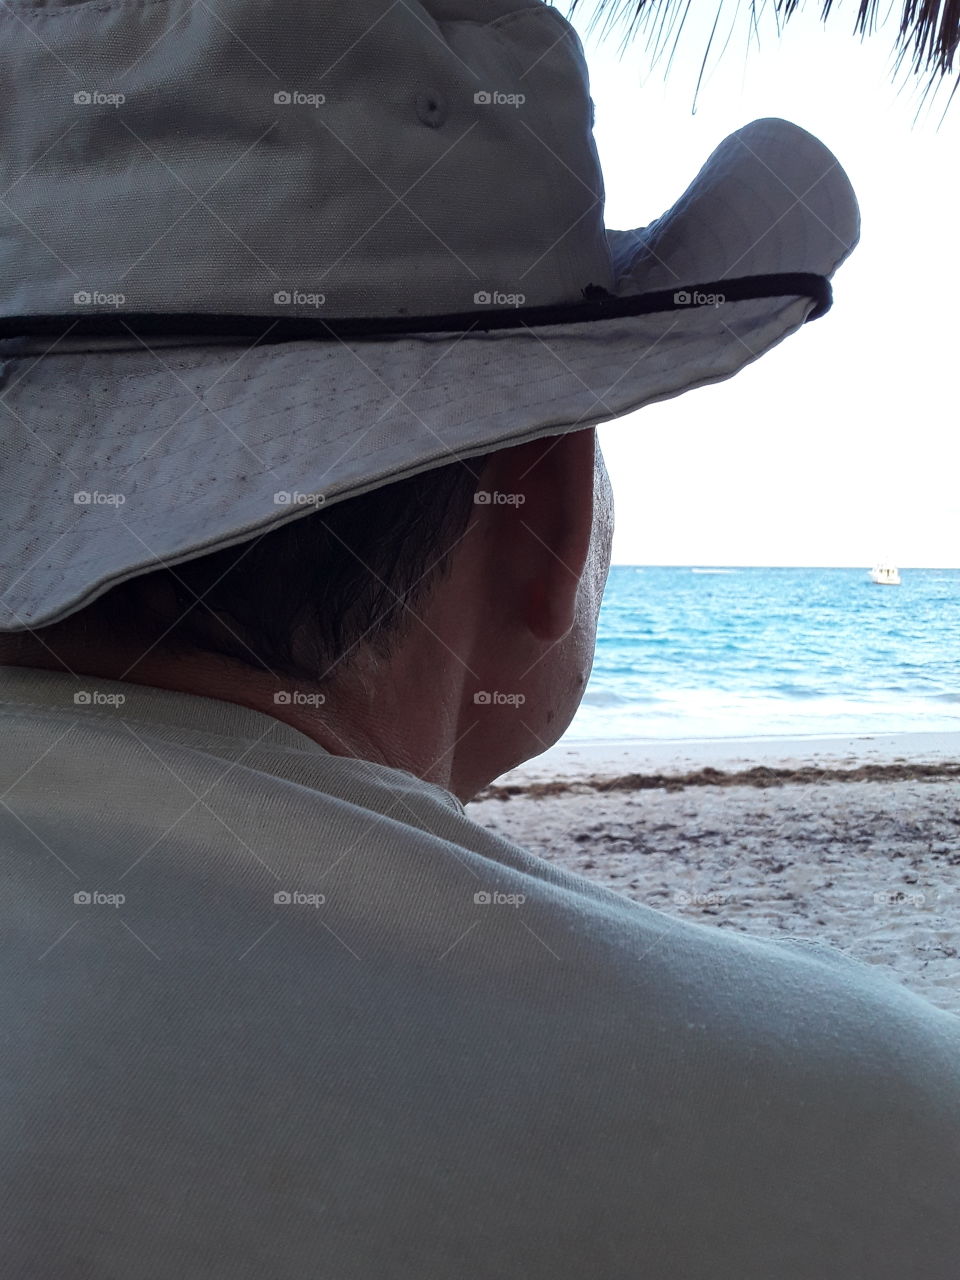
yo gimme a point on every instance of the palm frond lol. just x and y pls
(926, 42)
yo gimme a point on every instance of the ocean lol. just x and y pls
(714, 653)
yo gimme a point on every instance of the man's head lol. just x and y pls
(448, 620)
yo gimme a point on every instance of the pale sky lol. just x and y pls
(841, 446)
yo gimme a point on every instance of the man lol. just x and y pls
(273, 1004)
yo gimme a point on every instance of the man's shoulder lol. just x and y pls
(103, 781)
(324, 968)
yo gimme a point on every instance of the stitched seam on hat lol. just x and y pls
(260, 355)
(234, 402)
(263, 525)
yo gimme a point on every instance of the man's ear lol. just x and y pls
(539, 518)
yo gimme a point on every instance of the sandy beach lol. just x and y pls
(853, 841)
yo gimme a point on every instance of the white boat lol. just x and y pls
(885, 575)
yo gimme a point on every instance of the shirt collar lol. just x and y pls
(36, 690)
(91, 695)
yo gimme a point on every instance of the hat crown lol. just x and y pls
(374, 158)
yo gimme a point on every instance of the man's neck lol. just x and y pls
(351, 717)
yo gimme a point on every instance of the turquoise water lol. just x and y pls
(686, 653)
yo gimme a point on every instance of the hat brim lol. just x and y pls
(129, 455)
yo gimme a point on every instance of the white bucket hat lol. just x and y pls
(262, 257)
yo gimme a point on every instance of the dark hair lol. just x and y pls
(303, 598)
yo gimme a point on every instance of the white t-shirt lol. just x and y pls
(306, 1019)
